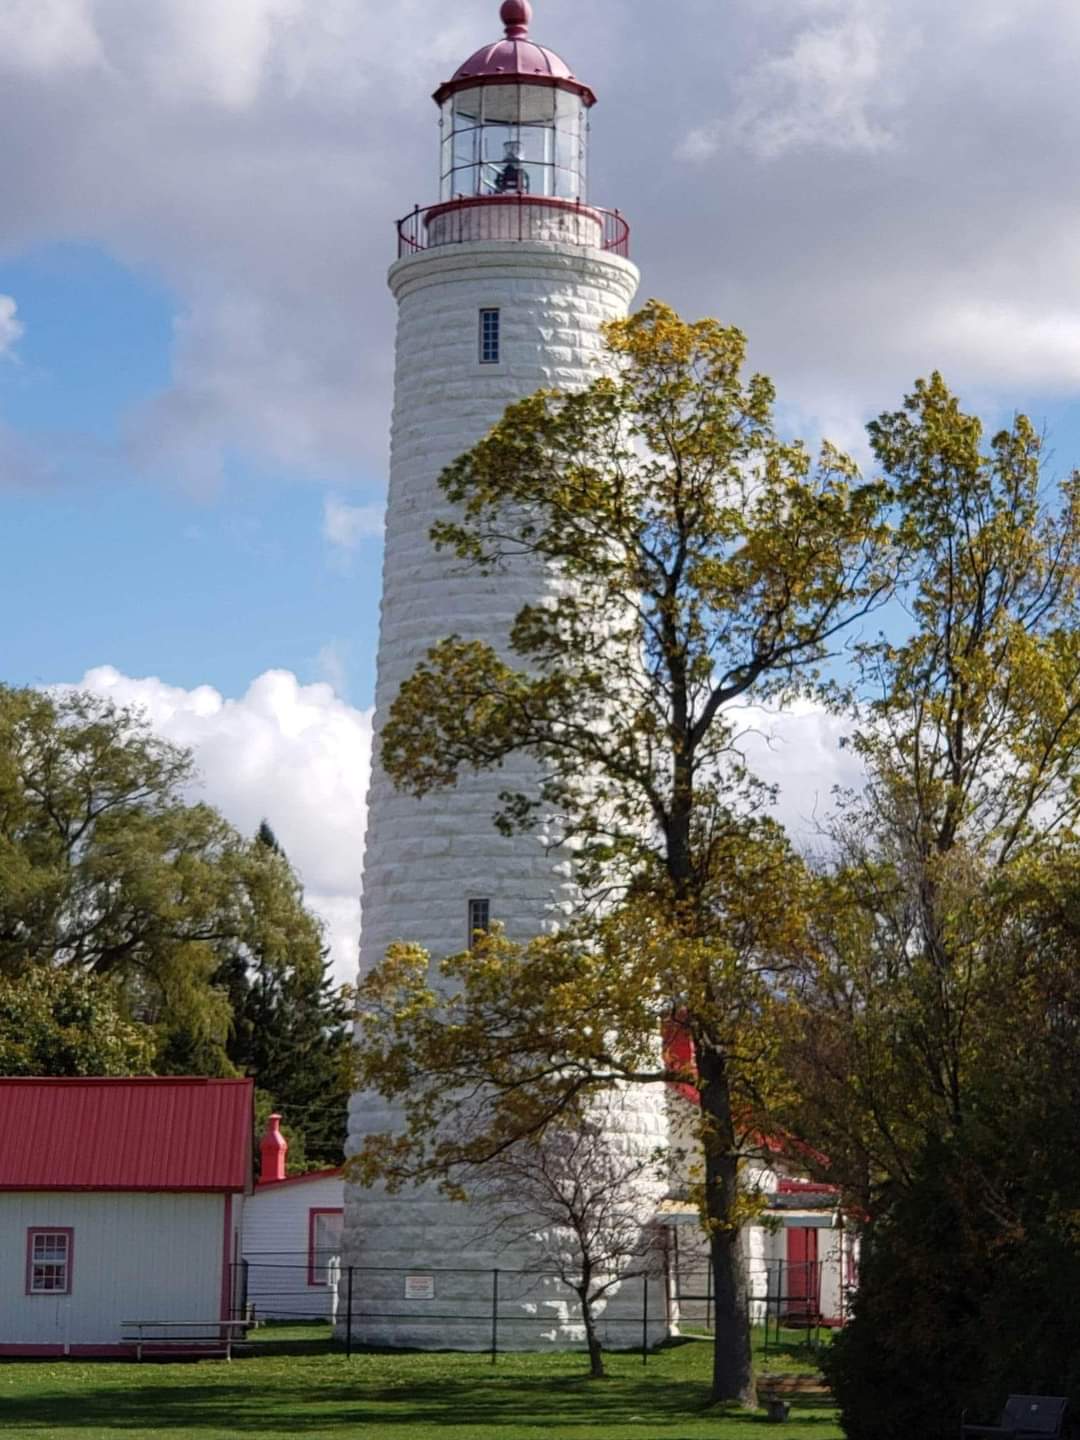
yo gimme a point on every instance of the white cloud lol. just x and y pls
(48, 36)
(799, 750)
(886, 177)
(210, 51)
(876, 189)
(974, 335)
(299, 757)
(345, 526)
(332, 666)
(832, 89)
(293, 754)
(11, 328)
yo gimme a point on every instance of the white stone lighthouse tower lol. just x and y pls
(502, 288)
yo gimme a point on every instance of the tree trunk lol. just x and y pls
(733, 1370)
(596, 1350)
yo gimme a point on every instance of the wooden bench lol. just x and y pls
(184, 1337)
(775, 1393)
(1025, 1417)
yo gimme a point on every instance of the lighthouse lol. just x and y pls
(503, 287)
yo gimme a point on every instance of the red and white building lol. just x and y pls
(801, 1254)
(120, 1201)
(292, 1236)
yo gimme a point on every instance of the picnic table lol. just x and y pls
(194, 1337)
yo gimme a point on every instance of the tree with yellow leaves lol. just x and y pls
(969, 728)
(935, 1042)
(704, 560)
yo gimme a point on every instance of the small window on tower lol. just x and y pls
(479, 917)
(489, 337)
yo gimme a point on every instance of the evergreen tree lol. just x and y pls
(290, 1032)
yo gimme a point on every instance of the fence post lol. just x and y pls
(348, 1315)
(494, 1316)
(645, 1318)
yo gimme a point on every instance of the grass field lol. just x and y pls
(294, 1385)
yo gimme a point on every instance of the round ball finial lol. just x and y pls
(516, 15)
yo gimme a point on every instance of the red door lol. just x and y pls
(802, 1289)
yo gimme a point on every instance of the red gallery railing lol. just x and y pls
(516, 218)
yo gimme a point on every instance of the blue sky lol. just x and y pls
(196, 339)
(202, 586)
(108, 566)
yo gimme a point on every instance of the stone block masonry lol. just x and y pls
(426, 859)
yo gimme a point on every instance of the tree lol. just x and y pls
(973, 1255)
(58, 1022)
(107, 870)
(970, 731)
(291, 1031)
(584, 1205)
(703, 560)
(935, 1039)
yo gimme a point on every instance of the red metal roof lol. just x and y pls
(266, 1185)
(134, 1134)
(515, 60)
(785, 1186)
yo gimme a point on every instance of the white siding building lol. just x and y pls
(292, 1237)
(120, 1201)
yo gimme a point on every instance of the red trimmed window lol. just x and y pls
(49, 1256)
(324, 1242)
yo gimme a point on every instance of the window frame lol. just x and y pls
(32, 1233)
(485, 928)
(484, 338)
(312, 1266)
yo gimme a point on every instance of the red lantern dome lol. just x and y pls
(515, 58)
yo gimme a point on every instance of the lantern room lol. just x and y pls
(514, 120)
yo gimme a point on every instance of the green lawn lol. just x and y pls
(297, 1386)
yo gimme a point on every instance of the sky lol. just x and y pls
(196, 338)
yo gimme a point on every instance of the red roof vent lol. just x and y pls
(272, 1151)
(516, 15)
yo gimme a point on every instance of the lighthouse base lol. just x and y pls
(430, 1273)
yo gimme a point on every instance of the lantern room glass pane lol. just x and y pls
(513, 139)
(465, 148)
(571, 126)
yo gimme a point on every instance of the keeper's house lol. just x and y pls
(292, 1237)
(120, 1200)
